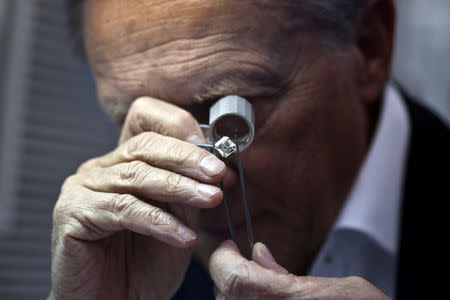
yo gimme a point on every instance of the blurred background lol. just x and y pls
(50, 121)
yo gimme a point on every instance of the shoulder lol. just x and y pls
(425, 194)
(429, 149)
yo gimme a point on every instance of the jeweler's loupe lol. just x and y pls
(231, 121)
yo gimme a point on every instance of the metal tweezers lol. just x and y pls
(248, 221)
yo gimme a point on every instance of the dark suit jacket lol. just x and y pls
(422, 232)
(426, 190)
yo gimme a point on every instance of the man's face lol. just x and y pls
(311, 128)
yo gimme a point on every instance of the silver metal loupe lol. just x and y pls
(231, 119)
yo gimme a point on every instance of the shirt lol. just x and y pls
(363, 241)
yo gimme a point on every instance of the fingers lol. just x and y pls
(159, 168)
(114, 191)
(170, 154)
(99, 215)
(262, 256)
(236, 277)
(151, 115)
(139, 179)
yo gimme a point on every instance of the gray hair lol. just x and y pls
(333, 19)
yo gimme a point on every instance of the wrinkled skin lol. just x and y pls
(314, 109)
(263, 278)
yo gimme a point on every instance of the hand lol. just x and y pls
(123, 224)
(262, 278)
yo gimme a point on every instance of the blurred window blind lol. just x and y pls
(422, 52)
(51, 124)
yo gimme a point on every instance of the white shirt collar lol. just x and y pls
(373, 206)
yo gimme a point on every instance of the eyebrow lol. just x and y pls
(245, 83)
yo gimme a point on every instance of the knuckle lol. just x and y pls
(138, 121)
(133, 172)
(179, 153)
(68, 183)
(357, 282)
(158, 217)
(141, 142)
(138, 105)
(236, 280)
(360, 284)
(65, 236)
(87, 165)
(119, 203)
(137, 108)
(126, 207)
(69, 202)
(181, 118)
(173, 183)
(59, 213)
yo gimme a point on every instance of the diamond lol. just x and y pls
(225, 147)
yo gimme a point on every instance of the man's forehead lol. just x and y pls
(152, 23)
(188, 56)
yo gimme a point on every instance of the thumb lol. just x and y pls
(262, 256)
(150, 114)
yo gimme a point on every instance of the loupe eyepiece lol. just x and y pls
(232, 116)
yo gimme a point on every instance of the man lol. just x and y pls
(323, 175)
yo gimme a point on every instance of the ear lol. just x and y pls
(374, 41)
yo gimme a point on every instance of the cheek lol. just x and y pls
(288, 149)
(292, 160)
(282, 174)
(266, 164)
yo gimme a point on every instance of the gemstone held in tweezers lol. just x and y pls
(225, 146)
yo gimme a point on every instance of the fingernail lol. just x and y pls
(211, 165)
(186, 234)
(195, 139)
(207, 190)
